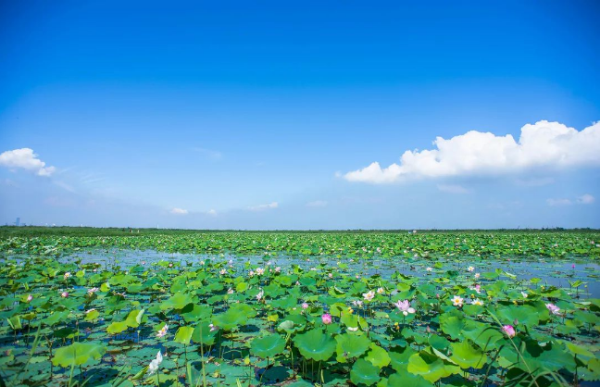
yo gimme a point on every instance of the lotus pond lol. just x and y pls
(300, 309)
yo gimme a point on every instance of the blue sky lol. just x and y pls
(268, 115)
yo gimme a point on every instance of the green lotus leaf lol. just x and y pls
(177, 301)
(194, 312)
(467, 356)
(351, 345)
(378, 356)
(430, 367)
(267, 346)
(399, 358)
(77, 354)
(184, 335)
(363, 372)
(117, 327)
(203, 334)
(230, 320)
(406, 379)
(315, 345)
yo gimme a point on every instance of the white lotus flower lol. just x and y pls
(153, 366)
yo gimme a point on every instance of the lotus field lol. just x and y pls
(299, 309)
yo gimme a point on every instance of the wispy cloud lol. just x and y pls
(179, 211)
(559, 202)
(586, 199)
(210, 154)
(24, 158)
(543, 144)
(263, 207)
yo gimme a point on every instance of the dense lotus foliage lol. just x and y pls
(372, 309)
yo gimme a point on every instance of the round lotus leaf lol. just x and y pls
(363, 372)
(267, 346)
(315, 345)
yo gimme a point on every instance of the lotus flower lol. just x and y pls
(64, 294)
(470, 268)
(357, 303)
(553, 308)
(404, 307)
(29, 298)
(369, 295)
(230, 291)
(304, 305)
(277, 269)
(429, 269)
(330, 275)
(153, 366)
(162, 332)
(260, 271)
(67, 275)
(223, 272)
(509, 330)
(457, 301)
(477, 275)
(92, 291)
(326, 318)
(380, 290)
(525, 295)
(477, 302)
(260, 295)
(251, 273)
(213, 328)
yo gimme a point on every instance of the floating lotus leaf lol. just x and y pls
(363, 372)
(351, 345)
(267, 346)
(315, 345)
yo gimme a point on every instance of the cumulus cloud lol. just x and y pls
(586, 199)
(543, 144)
(317, 203)
(452, 188)
(263, 207)
(24, 158)
(179, 211)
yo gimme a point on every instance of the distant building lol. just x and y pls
(18, 222)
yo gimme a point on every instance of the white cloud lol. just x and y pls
(212, 212)
(586, 199)
(543, 144)
(179, 211)
(317, 203)
(262, 207)
(452, 188)
(559, 202)
(583, 199)
(535, 182)
(24, 158)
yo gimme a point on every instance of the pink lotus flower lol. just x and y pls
(509, 330)
(404, 307)
(304, 305)
(67, 275)
(163, 331)
(29, 298)
(326, 319)
(92, 291)
(553, 308)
